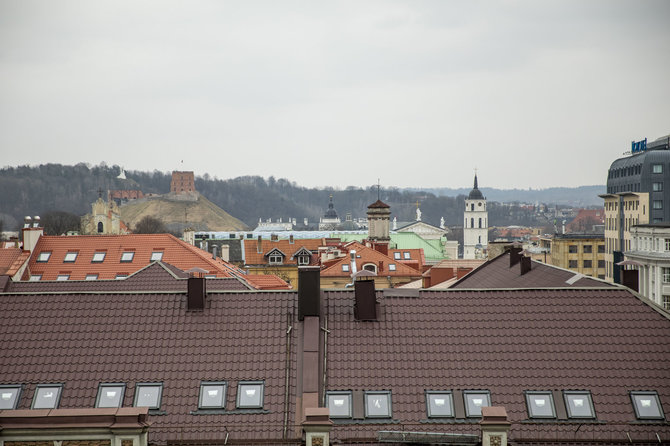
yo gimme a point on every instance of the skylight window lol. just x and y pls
(475, 400)
(47, 396)
(35, 278)
(212, 395)
(647, 405)
(439, 404)
(62, 277)
(339, 404)
(121, 276)
(345, 267)
(98, 257)
(391, 266)
(250, 394)
(9, 396)
(148, 395)
(70, 257)
(540, 404)
(579, 404)
(91, 277)
(396, 255)
(44, 256)
(378, 404)
(406, 255)
(110, 395)
(127, 256)
(157, 256)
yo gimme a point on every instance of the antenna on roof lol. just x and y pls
(378, 186)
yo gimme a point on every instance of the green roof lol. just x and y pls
(432, 249)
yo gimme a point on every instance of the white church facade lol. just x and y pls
(475, 225)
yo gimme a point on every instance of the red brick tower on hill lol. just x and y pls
(182, 182)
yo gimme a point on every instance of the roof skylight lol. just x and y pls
(62, 277)
(35, 278)
(250, 394)
(579, 404)
(70, 257)
(475, 400)
(540, 404)
(339, 404)
(439, 403)
(157, 256)
(212, 395)
(148, 395)
(378, 404)
(44, 256)
(9, 396)
(91, 277)
(47, 396)
(110, 395)
(127, 256)
(98, 257)
(647, 405)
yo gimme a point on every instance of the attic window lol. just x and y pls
(439, 404)
(370, 267)
(121, 276)
(250, 394)
(47, 396)
(475, 400)
(63, 277)
(345, 267)
(339, 404)
(303, 260)
(91, 277)
(391, 266)
(70, 257)
(110, 395)
(44, 256)
(148, 395)
(35, 278)
(579, 404)
(396, 255)
(127, 256)
(157, 256)
(9, 396)
(406, 255)
(98, 257)
(212, 395)
(647, 405)
(540, 404)
(378, 404)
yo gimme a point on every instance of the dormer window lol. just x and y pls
(579, 404)
(370, 267)
(303, 260)
(647, 406)
(275, 259)
(127, 256)
(70, 257)
(157, 256)
(44, 256)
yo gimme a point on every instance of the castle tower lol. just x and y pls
(182, 182)
(475, 225)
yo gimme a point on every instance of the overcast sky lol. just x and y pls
(533, 94)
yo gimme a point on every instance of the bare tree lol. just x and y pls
(60, 222)
(150, 225)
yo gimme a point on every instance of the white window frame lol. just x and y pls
(43, 257)
(98, 257)
(157, 256)
(407, 255)
(127, 256)
(345, 267)
(275, 259)
(35, 278)
(372, 265)
(303, 259)
(91, 277)
(396, 255)
(392, 267)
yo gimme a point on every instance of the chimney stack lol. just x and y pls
(214, 252)
(197, 293)
(514, 255)
(365, 308)
(290, 239)
(525, 264)
(309, 291)
(259, 245)
(31, 233)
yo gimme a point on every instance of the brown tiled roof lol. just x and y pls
(497, 273)
(82, 340)
(368, 255)
(379, 204)
(606, 341)
(157, 276)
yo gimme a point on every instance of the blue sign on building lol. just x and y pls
(639, 146)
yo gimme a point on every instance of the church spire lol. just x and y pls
(476, 181)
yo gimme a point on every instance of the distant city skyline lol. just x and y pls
(415, 93)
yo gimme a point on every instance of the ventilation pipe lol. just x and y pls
(353, 271)
(214, 252)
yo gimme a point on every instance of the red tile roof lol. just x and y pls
(11, 260)
(366, 255)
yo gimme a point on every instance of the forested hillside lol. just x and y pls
(53, 187)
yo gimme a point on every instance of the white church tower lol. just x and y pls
(475, 225)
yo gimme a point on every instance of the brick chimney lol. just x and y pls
(197, 293)
(31, 232)
(309, 291)
(525, 264)
(494, 426)
(365, 307)
(514, 255)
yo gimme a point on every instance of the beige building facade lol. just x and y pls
(582, 253)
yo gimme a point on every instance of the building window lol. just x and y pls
(157, 256)
(110, 395)
(98, 257)
(396, 255)
(474, 401)
(303, 260)
(406, 255)
(666, 275)
(587, 249)
(212, 395)
(666, 302)
(63, 277)
(601, 264)
(540, 404)
(657, 168)
(667, 244)
(572, 249)
(588, 264)
(657, 187)
(339, 404)
(47, 396)
(9, 396)
(658, 204)
(91, 277)
(148, 395)
(439, 404)
(378, 404)
(100, 228)
(601, 249)
(370, 267)
(391, 266)
(35, 278)
(647, 405)
(275, 259)
(70, 257)
(127, 256)
(121, 276)
(579, 404)
(345, 267)
(250, 394)
(572, 263)
(44, 256)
